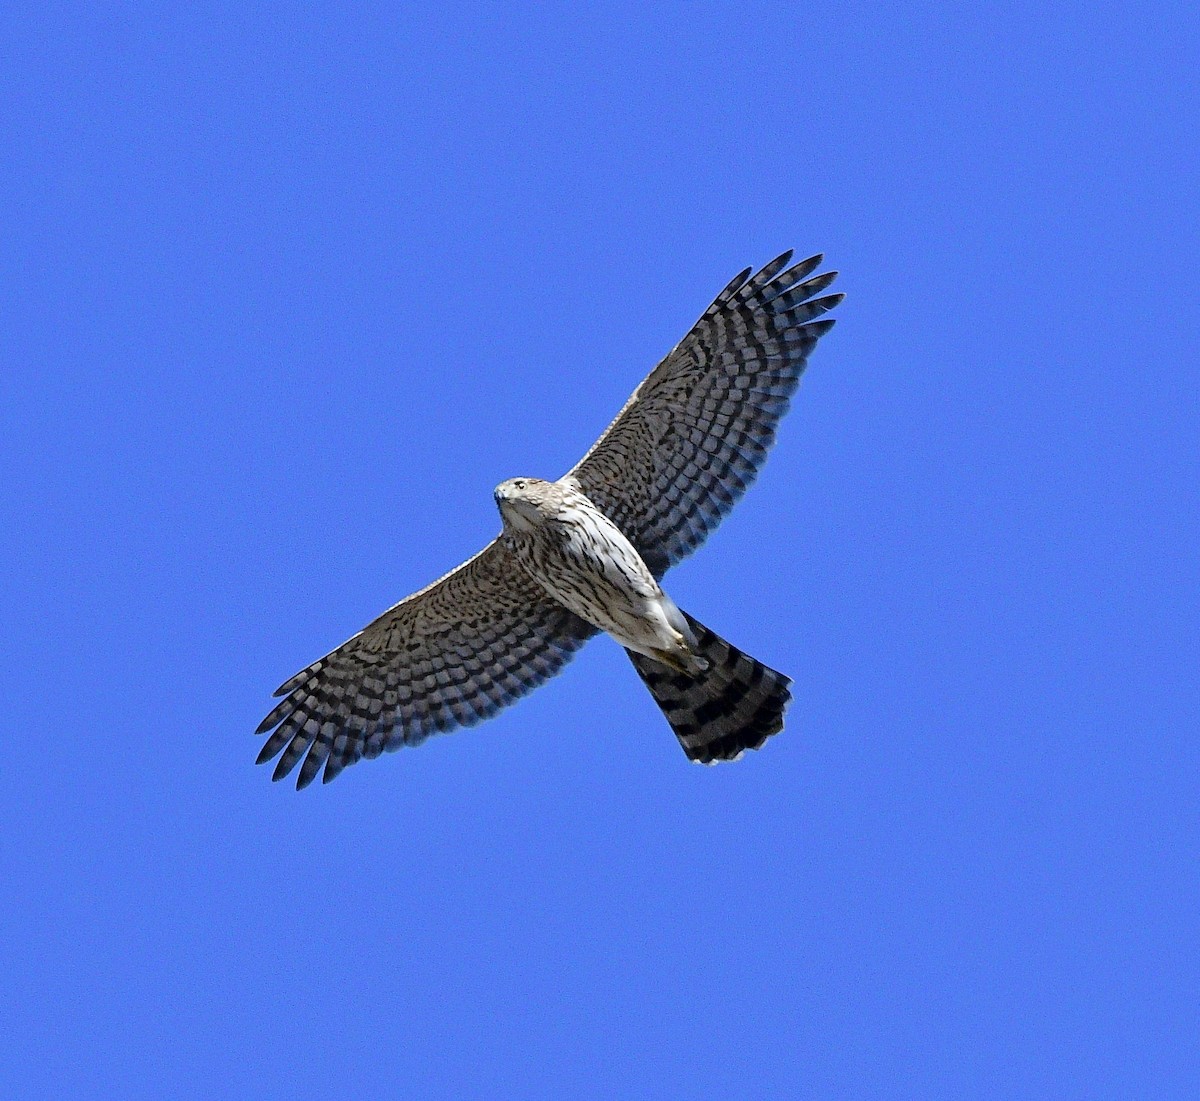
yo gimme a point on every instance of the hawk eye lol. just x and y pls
(521, 483)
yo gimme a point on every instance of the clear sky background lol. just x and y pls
(288, 289)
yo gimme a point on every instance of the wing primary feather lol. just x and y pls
(313, 760)
(800, 292)
(291, 755)
(819, 328)
(767, 273)
(281, 712)
(805, 311)
(272, 746)
(734, 285)
(788, 279)
(297, 680)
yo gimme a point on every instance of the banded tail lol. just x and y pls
(735, 705)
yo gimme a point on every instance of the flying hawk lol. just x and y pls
(585, 554)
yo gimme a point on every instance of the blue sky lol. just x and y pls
(288, 290)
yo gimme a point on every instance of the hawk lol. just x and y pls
(586, 554)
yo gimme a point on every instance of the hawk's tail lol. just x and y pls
(735, 705)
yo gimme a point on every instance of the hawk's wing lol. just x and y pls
(693, 436)
(450, 655)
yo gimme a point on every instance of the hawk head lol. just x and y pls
(527, 503)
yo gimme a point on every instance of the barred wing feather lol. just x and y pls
(693, 436)
(451, 655)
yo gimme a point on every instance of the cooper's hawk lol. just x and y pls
(586, 553)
